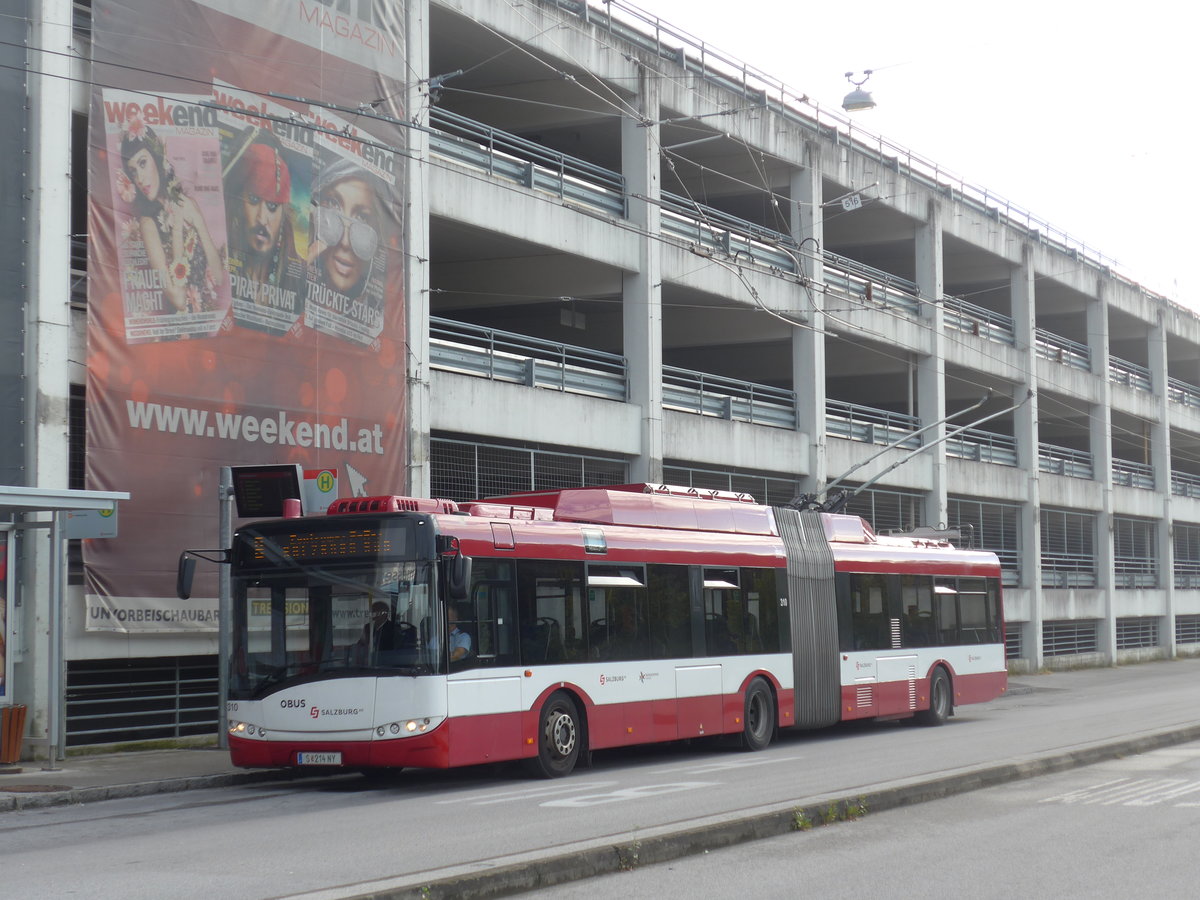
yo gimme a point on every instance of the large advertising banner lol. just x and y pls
(246, 267)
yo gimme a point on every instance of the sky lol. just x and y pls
(1082, 114)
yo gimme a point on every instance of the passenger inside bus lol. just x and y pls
(459, 640)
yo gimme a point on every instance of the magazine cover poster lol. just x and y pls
(170, 216)
(353, 181)
(211, 121)
(266, 168)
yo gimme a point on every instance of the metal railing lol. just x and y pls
(526, 162)
(1133, 474)
(1183, 393)
(983, 446)
(1131, 375)
(728, 398)
(1063, 570)
(1063, 351)
(505, 356)
(1065, 461)
(870, 285)
(113, 700)
(869, 425)
(959, 315)
(713, 228)
(1184, 484)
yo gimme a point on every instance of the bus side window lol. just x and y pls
(871, 627)
(490, 617)
(946, 593)
(670, 612)
(550, 611)
(916, 597)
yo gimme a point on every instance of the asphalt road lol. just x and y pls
(1125, 828)
(342, 837)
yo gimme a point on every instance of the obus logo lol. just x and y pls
(293, 704)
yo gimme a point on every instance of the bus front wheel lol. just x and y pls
(758, 721)
(559, 737)
(939, 700)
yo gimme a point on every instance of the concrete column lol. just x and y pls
(1025, 428)
(931, 369)
(48, 336)
(1160, 458)
(1101, 442)
(416, 231)
(642, 290)
(808, 344)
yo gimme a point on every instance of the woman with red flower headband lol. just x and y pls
(177, 239)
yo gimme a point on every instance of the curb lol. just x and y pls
(72, 796)
(534, 874)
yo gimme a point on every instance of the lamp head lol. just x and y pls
(858, 99)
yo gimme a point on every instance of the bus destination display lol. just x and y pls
(327, 542)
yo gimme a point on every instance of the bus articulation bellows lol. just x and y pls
(396, 632)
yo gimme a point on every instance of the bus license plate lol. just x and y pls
(318, 759)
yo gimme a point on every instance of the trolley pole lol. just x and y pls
(224, 605)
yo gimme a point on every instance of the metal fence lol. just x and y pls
(1131, 375)
(1063, 350)
(1183, 393)
(1187, 629)
(1133, 474)
(468, 470)
(1136, 632)
(728, 398)
(869, 425)
(770, 490)
(506, 356)
(120, 700)
(525, 162)
(1070, 637)
(1065, 461)
(1184, 484)
(983, 446)
(959, 315)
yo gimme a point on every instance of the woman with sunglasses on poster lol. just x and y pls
(177, 240)
(346, 225)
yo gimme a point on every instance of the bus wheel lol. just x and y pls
(758, 721)
(559, 737)
(939, 700)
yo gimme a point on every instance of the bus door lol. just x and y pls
(484, 688)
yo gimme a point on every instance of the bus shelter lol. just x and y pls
(38, 589)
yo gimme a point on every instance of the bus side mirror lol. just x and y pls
(458, 576)
(183, 576)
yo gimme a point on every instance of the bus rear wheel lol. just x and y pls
(939, 699)
(560, 737)
(758, 719)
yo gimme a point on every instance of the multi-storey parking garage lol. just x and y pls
(630, 258)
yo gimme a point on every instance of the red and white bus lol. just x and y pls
(586, 619)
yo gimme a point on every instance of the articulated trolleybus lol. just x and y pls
(397, 632)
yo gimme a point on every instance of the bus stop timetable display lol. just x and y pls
(259, 491)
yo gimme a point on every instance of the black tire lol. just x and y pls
(940, 700)
(560, 737)
(758, 719)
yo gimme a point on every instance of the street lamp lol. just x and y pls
(858, 99)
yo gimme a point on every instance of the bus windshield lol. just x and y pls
(310, 622)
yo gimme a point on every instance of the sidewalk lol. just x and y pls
(110, 776)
